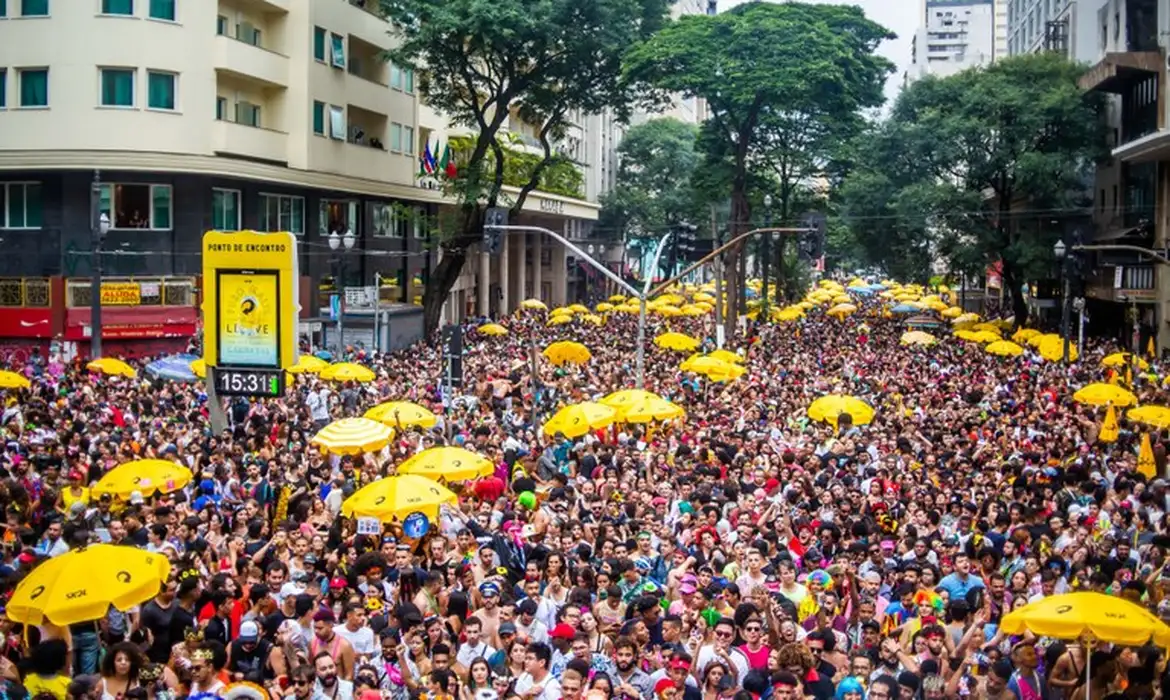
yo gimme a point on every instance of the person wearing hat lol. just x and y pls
(489, 614)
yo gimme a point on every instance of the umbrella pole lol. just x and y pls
(1088, 673)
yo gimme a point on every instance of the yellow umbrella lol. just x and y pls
(650, 409)
(559, 319)
(918, 338)
(81, 585)
(952, 312)
(402, 414)
(677, 341)
(111, 366)
(966, 318)
(1052, 349)
(347, 372)
(579, 308)
(604, 307)
(706, 365)
(578, 419)
(1123, 359)
(1089, 618)
(617, 299)
(199, 367)
(351, 436)
(841, 310)
(827, 408)
(1101, 394)
(725, 355)
(703, 296)
(667, 310)
(1004, 348)
(561, 311)
(790, 314)
(1025, 334)
(307, 364)
(146, 476)
(1037, 340)
(492, 329)
(536, 304)
(12, 380)
(567, 351)
(1153, 416)
(593, 318)
(396, 497)
(448, 464)
(628, 397)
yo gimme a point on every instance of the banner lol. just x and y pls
(249, 318)
(121, 294)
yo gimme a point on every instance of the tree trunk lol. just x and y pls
(439, 285)
(740, 216)
(1012, 282)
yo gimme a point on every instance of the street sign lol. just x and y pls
(453, 358)
(250, 307)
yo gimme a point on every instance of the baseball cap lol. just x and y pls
(249, 632)
(562, 631)
(507, 628)
(526, 607)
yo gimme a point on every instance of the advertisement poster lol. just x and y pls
(249, 318)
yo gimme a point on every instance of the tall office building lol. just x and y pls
(1001, 29)
(954, 35)
(1067, 26)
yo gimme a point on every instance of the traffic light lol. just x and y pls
(812, 239)
(493, 219)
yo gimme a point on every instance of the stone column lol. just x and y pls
(536, 271)
(505, 277)
(521, 267)
(485, 274)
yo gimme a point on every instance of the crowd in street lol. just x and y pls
(742, 551)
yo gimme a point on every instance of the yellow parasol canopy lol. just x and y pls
(579, 308)
(578, 419)
(307, 364)
(81, 585)
(492, 329)
(396, 497)
(1101, 394)
(651, 409)
(1025, 334)
(604, 307)
(112, 366)
(559, 319)
(677, 341)
(1004, 348)
(351, 436)
(402, 414)
(628, 397)
(448, 464)
(841, 310)
(1051, 348)
(567, 351)
(918, 338)
(535, 304)
(1088, 616)
(199, 367)
(1153, 416)
(347, 372)
(146, 476)
(12, 380)
(827, 408)
(726, 356)
(1123, 359)
(706, 365)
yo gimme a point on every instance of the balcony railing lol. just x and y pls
(28, 292)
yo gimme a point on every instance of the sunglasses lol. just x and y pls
(302, 683)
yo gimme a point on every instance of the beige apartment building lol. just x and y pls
(190, 115)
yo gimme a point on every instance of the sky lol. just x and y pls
(899, 16)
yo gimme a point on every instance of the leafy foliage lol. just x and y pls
(959, 155)
(559, 176)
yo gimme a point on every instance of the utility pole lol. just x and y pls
(99, 223)
(720, 337)
(766, 255)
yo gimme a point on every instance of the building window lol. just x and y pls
(20, 205)
(395, 137)
(137, 206)
(419, 216)
(408, 139)
(163, 9)
(279, 212)
(118, 7)
(34, 87)
(337, 51)
(319, 43)
(395, 77)
(248, 114)
(3, 86)
(336, 122)
(382, 218)
(220, 108)
(117, 87)
(221, 25)
(319, 118)
(34, 8)
(408, 79)
(3, 8)
(337, 216)
(248, 33)
(225, 209)
(160, 90)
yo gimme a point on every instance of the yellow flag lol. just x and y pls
(1150, 347)
(1145, 464)
(1109, 427)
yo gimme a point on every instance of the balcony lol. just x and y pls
(231, 139)
(250, 63)
(277, 6)
(1135, 283)
(366, 62)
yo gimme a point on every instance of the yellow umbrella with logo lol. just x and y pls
(12, 380)
(146, 476)
(112, 367)
(351, 436)
(348, 372)
(305, 364)
(650, 409)
(1101, 394)
(492, 329)
(448, 464)
(827, 408)
(1153, 416)
(81, 585)
(567, 352)
(580, 418)
(627, 397)
(402, 414)
(677, 341)
(396, 497)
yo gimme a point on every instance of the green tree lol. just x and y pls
(481, 61)
(656, 160)
(959, 157)
(754, 63)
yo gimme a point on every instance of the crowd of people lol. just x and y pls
(744, 551)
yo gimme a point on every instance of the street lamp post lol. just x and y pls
(767, 255)
(1061, 253)
(99, 227)
(340, 244)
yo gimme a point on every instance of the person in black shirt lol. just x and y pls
(184, 610)
(219, 627)
(248, 656)
(156, 617)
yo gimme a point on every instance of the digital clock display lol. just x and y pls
(233, 381)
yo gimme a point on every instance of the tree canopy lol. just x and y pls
(481, 61)
(961, 160)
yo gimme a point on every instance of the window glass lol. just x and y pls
(117, 87)
(163, 9)
(118, 7)
(34, 87)
(161, 90)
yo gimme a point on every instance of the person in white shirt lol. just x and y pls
(536, 683)
(366, 647)
(528, 624)
(474, 648)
